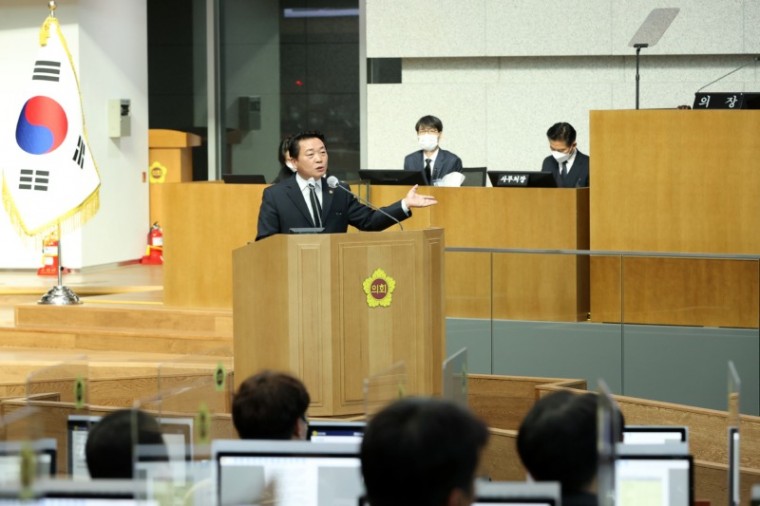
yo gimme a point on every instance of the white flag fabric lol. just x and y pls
(49, 175)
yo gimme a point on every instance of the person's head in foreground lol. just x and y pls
(422, 452)
(110, 443)
(271, 405)
(557, 441)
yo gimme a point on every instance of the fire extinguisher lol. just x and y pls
(154, 253)
(49, 256)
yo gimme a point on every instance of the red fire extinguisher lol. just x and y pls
(49, 256)
(154, 253)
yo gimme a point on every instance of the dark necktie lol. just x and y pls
(316, 209)
(563, 170)
(428, 170)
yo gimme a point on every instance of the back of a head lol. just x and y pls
(557, 440)
(110, 443)
(561, 132)
(268, 405)
(418, 450)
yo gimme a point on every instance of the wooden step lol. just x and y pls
(129, 342)
(135, 318)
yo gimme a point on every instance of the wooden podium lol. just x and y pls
(335, 309)
(171, 161)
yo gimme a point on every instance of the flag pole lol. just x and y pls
(60, 295)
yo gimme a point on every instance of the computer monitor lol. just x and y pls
(11, 455)
(304, 473)
(243, 179)
(654, 434)
(517, 494)
(529, 179)
(177, 435)
(734, 468)
(63, 492)
(393, 177)
(755, 499)
(661, 474)
(331, 431)
(77, 429)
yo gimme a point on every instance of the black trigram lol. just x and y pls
(36, 180)
(79, 153)
(45, 70)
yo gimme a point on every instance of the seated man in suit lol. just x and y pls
(435, 163)
(422, 452)
(569, 166)
(271, 405)
(305, 201)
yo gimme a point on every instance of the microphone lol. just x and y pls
(753, 60)
(334, 182)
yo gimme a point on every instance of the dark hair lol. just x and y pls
(561, 132)
(416, 451)
(268, 405)
(429, 122)
(294, 146)
(285, 171)
(110, 443)
(557, 440)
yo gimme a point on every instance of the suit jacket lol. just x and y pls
(445, 163)
(578, 177)
(283, 207)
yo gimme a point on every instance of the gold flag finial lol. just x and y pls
(52, 6)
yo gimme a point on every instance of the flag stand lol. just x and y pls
(60, 295)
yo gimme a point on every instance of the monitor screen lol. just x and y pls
(733, 466)
(517, 494)
(329, 431)
(654, 434)
(655, 479)
(177, 435)
(393, 177)
(528, 179)
(78, 426)
(303, 473)
(45, 453)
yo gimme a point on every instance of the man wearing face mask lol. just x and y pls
(569, 166)
(433, 162)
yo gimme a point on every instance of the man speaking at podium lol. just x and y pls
(305, 201)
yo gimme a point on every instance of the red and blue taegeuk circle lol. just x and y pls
(42, 125)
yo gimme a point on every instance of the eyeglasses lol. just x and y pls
(427, 131)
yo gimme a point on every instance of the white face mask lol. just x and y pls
(290, 165)
(561, 157)
(428, 142)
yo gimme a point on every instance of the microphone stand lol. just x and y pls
(638, 53)
(334, 182)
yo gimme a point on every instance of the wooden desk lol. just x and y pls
(676, 181)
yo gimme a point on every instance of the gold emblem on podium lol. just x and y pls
(379, 289)
(157, 173)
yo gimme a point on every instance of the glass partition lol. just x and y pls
(193, 391)
(384, 387)
(455, 377)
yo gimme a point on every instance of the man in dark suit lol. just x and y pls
(433, 162)
(305, 201)
(569, 166)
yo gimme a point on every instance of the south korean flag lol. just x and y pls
(49, 175)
